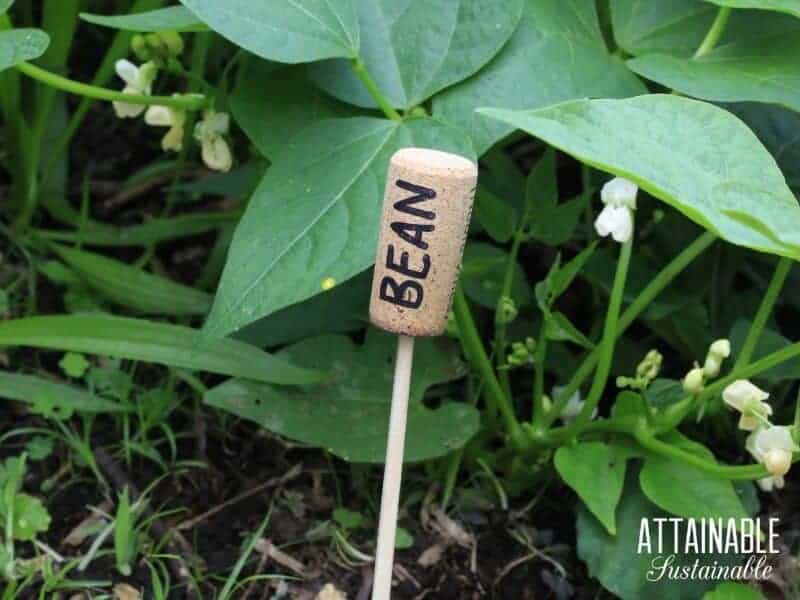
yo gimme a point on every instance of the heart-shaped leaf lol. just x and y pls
(791, 7)
(291, 31)
(172, 18)
(678, 27)
(695, 156)
(269, 120)
(779, 131)
(596, 471)
(523, 76)
(763, 70)
(622, 567)
(349, 414)
(20, 45)
(415, 48)
(315, 215)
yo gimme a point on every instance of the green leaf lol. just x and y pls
(5, 5)
(348, 519)
(495, 215)
(524, 75)
(763, 70)
(664, 392)
(144, 234)
(133, 288)
(343, 308)
(291, 32)
(769, 342)
(270, 120)
(733, 591)
(20, 45)
(172, 18)
(791, 7)
(483, 272)
(27, 388)
(138, 339)
(349, 414)
(560, 329)
(678, 27)
(779, 131)
(686, 491)
(403, 540)
(596, 472)
(30, 517)
(416, 48)
(621, 569)
(715, 171)
(315, 214)
(74, 364)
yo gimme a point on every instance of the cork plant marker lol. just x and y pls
(426, 211)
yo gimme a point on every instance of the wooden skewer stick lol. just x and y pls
(426, 211)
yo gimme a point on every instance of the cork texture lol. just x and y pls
(426, 211)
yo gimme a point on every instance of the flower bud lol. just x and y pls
(140, 48)
(694, 381)
(172, 42)
(506, 311)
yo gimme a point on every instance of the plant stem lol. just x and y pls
(639, 304)
(748, 472)
(500, 329)
(360, 70)
(476, 354)
(673, 416)
(764, 310)
(187, 102)
(715, 32)
(609, 339)
(538, 378)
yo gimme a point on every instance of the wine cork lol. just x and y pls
(426, 210)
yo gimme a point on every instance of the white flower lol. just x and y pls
(210, 133)
(767, 484)
(616, 218)
(748, 400)
(165, 116)
(717, 352)
(138, 81)
(773, 447)
(693, 381)
(573, 407)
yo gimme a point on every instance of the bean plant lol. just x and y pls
(620, 319)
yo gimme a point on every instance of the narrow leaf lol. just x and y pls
(27, 388)
(134, 288)
(138, 339)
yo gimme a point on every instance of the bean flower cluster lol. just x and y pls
(161, 51)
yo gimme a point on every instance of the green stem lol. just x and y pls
(360, 70)
(500, 329)
(748, 472)
(476, 354)
(187, 102)
(764, 310)
(715, 32)
(538, 378)
(639, 304)
(678, 411)
(609, 339)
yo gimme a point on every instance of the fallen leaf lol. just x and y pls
(329, 592)
(123, 591)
